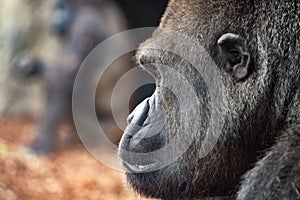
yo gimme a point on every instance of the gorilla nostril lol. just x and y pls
(129, 118)
(140, 113)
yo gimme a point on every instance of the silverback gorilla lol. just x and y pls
(255, 46)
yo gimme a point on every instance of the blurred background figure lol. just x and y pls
(42, 44)
(24, 25)
(82, 25)
(44, 51)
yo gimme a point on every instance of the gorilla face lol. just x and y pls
(186, 124)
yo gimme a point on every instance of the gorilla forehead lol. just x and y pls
(207, 18)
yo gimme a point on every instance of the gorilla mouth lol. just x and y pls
(135, 168)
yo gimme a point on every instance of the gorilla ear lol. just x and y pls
(236, 55)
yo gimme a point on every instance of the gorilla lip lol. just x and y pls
(136, 168)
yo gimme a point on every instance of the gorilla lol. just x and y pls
(62, 17)
(255, 48)
(91, 23)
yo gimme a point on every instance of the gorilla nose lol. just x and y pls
(140, 113)
(143, 136)
(144, 125)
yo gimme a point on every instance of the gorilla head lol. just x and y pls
(218, 127)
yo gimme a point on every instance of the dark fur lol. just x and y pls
(261, 137)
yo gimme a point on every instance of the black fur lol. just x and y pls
(257, 155)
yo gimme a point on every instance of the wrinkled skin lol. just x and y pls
(255, 46)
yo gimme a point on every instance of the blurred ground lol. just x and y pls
(67, 174)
